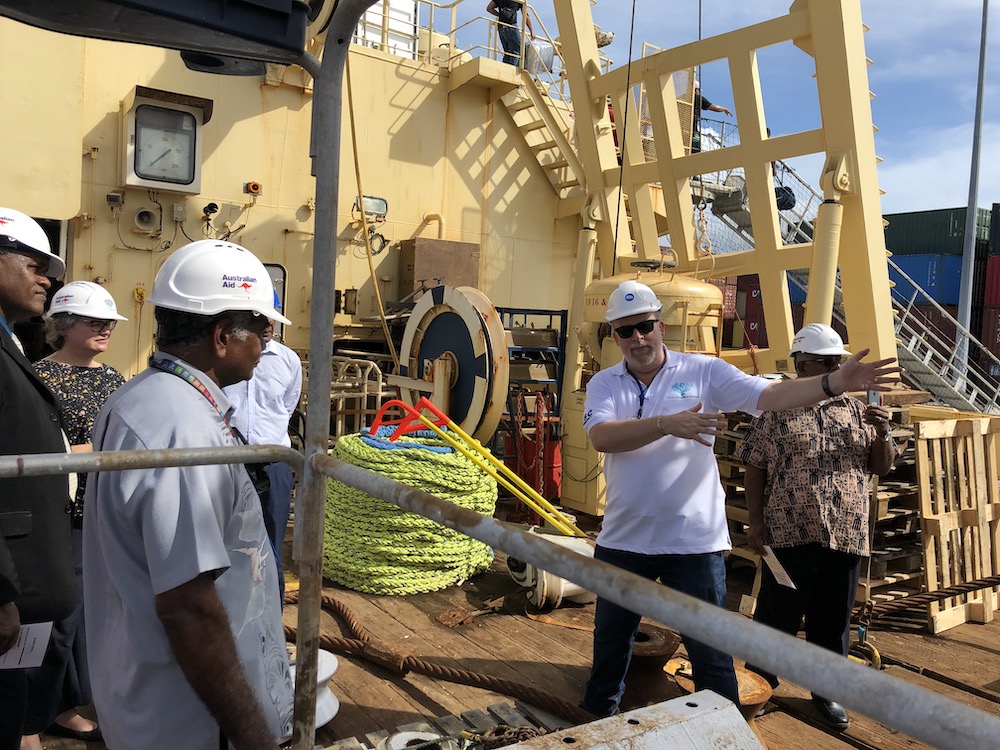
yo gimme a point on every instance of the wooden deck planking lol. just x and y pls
(512, 646)
(968, 654)
(784, 732)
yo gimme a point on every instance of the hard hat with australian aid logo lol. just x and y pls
(209, 277)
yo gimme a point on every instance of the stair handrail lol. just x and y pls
(970, 383)
(964, 372)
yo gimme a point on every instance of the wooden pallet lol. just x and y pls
(959, 469)
(476, 721)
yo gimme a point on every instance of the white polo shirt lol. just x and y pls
(263, 404)
(666, 497)
(148, 531)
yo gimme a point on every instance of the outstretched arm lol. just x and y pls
(853, 375)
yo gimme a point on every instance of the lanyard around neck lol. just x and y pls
(642, 392)
(6, 327)
(186, 375)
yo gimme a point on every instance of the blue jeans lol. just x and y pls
(702, 576)
(276, 503)
(510, 38)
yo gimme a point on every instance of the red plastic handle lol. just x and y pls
(411, 421)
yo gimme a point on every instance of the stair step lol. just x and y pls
(533, 125)
(520, 104)
(557, 164)
(568, 184)
(544, 146)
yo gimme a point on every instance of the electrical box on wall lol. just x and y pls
(162, 139)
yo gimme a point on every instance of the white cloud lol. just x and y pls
(932, 171)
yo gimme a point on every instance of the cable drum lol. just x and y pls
(373, 546)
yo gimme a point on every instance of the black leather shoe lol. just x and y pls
(834, 715)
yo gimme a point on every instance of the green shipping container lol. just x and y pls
(938, 232)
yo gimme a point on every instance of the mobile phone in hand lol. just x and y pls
(875, 398)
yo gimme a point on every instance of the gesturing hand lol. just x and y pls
(692, 424)
(856, 375)
(877, 417)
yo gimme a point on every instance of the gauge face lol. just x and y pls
(164, 144)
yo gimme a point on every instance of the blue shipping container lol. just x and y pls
(796, 294)
(938, 276)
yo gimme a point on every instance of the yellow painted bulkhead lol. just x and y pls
(451, 165)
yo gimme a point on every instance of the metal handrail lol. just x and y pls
(889, 700)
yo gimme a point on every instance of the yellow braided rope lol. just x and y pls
(378, 548)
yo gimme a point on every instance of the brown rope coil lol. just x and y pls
(363, 646)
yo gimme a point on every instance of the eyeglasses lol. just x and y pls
(829, 361)
(645, 327)
(98, 326)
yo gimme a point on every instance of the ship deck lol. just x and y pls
(963, 663)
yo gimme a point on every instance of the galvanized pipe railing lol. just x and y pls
(82, 463)
(919, 713)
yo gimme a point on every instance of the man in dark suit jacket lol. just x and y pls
(37, 582)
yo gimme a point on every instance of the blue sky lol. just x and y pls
(926, 57)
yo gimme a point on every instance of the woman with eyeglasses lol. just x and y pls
(78, 324)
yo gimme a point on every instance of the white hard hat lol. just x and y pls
(86, 299)
(817, 338)
(209, 277)
(631, 298)
(21, 229)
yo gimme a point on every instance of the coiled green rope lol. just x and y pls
(375, 547)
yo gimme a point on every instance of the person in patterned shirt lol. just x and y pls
(808, 482)
(78, 325)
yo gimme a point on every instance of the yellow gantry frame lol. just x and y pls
(831, 31)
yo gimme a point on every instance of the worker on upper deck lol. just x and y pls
(508, 28)
(187, 648)
(655, 416)
(808, 482)
(701, 103)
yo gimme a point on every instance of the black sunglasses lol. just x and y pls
(625, 332)
(828, 361)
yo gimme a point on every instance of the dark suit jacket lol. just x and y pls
(36, 556)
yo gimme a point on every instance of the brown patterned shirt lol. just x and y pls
(818, 484)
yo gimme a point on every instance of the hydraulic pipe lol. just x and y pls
(823, 272)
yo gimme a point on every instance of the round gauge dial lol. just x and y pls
(164, 144)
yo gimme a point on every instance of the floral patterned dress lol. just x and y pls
(81, 392)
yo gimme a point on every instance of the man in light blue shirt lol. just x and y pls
(262, 407)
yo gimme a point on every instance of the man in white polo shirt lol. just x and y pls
(186, 645)
(262, 407)
(655, 415)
